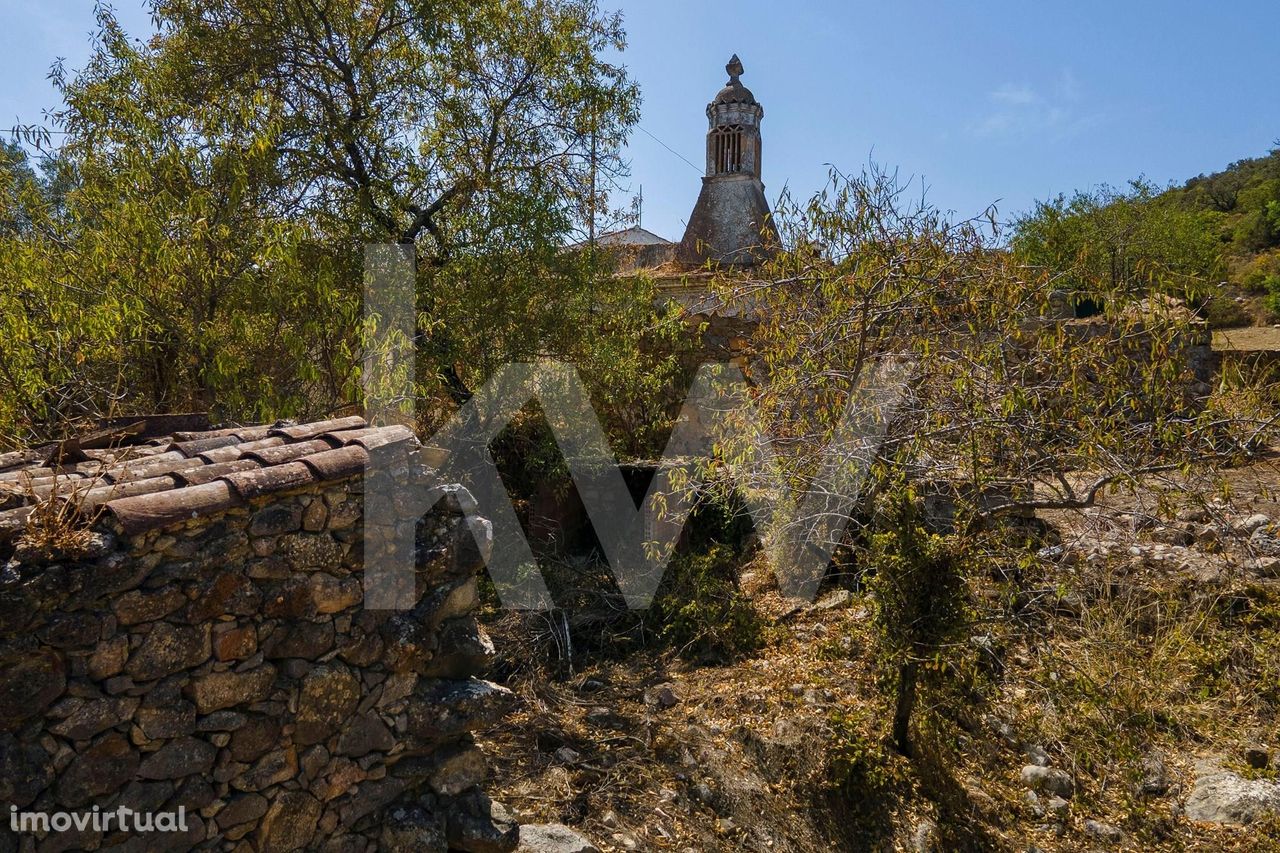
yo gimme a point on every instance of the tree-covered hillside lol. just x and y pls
(1214, 240)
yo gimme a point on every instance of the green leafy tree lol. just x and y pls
(223, 175)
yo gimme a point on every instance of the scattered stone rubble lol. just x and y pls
(1205, 544)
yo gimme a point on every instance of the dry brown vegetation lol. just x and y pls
(1133, 664)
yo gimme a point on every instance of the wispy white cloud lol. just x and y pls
(1019, 110)
(1015, 95)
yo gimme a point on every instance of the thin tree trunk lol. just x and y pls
(905, 705)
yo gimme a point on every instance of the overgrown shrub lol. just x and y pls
(702, 612)
(1222, 312)
(919, 593)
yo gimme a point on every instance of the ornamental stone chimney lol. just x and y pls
(730, 223)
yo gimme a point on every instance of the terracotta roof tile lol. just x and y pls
(160, 509)
(103, 494)
(154, 481)
(49, 481)
(303, 431)
(253, 433)
(42, 473)
(209, 473)
(288, 452)
(384, 437)
(25, 475)
(336, 464)
(195, 448)
(60, 486)
(275, 478)
(19, 458)
(153, 468)
(340, 438)
(200, 435)
(235, 451)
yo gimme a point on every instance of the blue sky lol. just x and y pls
(1001, 101)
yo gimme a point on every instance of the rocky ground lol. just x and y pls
(1118, 691)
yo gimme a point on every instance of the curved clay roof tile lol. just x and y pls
(160, 509)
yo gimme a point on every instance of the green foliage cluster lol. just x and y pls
(1247, 193)
(917, 583)
(194, 239)
(863, 781)
(1131, 240)
(918, 586)
(702, 612)
(1179, 240)
(700, 608)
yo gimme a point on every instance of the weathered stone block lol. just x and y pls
(363, 651)
(254, 738)
(315, 517)
(108, 657)
(368, 798)
(440, 710)
(367, 733)
(221, 721)
(458, 768)
(448, 602)
(290, 599)
(219, 690)
(407, 643)
(412, 829)
(273, 768)
(552, 838)
(479, 825)
(328, 697)
(25, 771)
(310, 552)
(70, 630)
(102, 768)
(135, 607)
(242, 809)
(276, 520)
(307, 640)
(289, 823)
(234, 642)
(230, 593)
(167, 721)
(185, 756)
(332, 595)
(90, 717)
(30, 681)
(168, 649)
(465, 649)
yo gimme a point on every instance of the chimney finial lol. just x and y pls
(734, 68)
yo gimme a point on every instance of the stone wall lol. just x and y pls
(225, 664)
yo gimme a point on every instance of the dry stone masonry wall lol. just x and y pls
(205, 646)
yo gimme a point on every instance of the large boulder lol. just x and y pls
(1228, 798)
